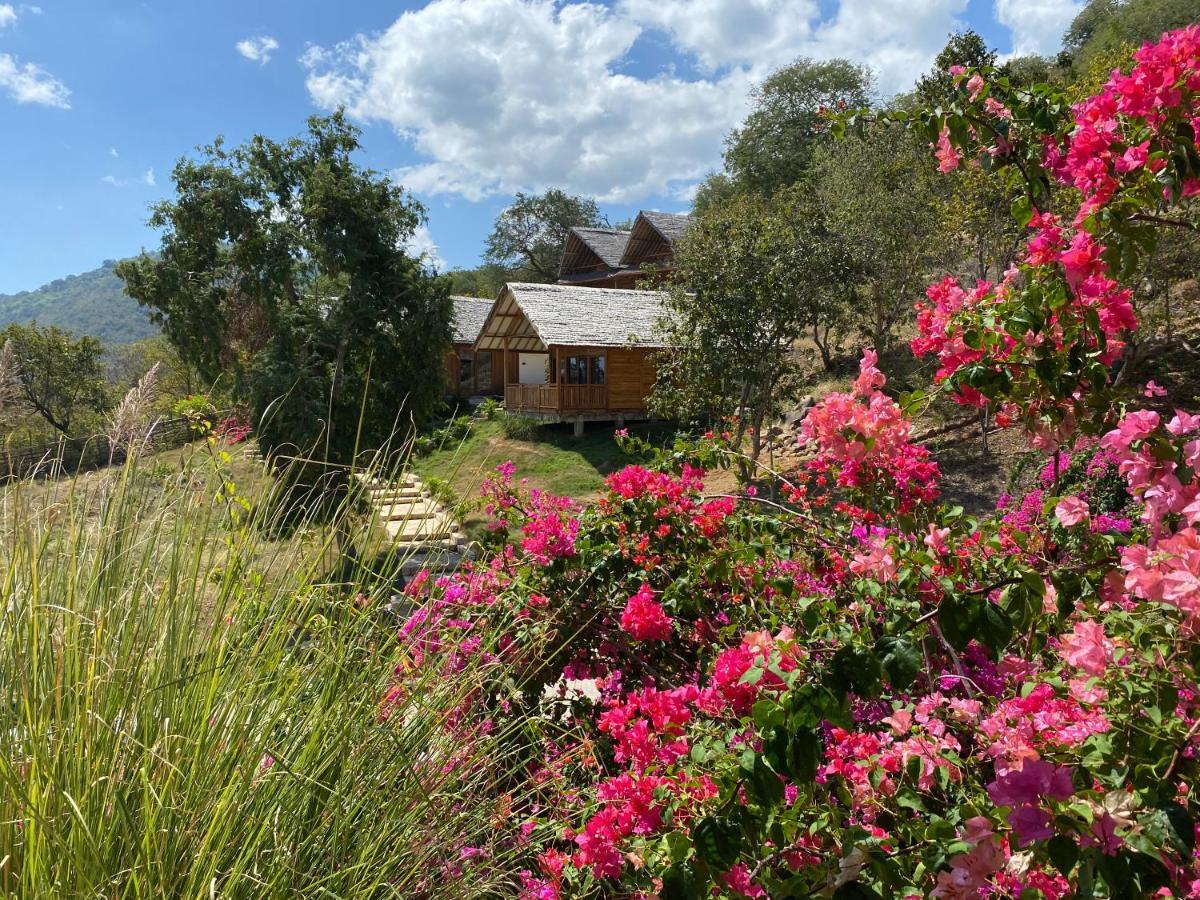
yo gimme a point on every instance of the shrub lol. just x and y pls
(857, 691)
(488, 408)
(199, 412)
(520, 428)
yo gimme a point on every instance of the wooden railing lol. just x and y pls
(531, 397)
(583, 396)
(549, 398)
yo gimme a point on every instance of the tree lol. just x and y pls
(527, 239)
(879, 193)
(58, 377)
(482, 281)
(774, 144)
(128, 364)
(749, 286)
(284, 264)
(963, 48)
(1107, 26)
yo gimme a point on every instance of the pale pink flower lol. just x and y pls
(1087, 648)
(1072, 511)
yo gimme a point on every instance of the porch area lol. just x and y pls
(557, 400)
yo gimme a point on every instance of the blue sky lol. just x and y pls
(464, 101)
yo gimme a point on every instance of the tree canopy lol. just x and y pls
(285, 265)
(773, 146)
(58, 377)
(528, 236)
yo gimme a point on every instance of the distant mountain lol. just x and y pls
(91, 303)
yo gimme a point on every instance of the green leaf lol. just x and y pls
(1022, 210)
(900, 661)
(855, 670)
(718, 842)
(856, 890)
(1064, 853)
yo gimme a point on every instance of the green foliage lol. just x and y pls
(753, 275)
(59, 378)
(520, 428)
(528, 237)
(191, 708)
(963, 48)
(880, 193)
(482, 281)
(129, 362)
(489, 408)
(199, 411)
(92, 303)
(283, 263)
(453, 432)
(1107, 26)
(772, 148)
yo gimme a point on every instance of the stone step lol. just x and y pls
(420, 509)
(389, 498)
(421, 530)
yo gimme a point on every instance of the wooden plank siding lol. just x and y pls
(630, 378)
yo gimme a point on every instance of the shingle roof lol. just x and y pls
(606, 243)
(469, 315)
(670, 225)
(568, 315)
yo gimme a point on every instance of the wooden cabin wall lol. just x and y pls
(630, 378)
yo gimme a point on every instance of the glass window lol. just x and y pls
(483, 370)
(598, 369)
(577, 370)
(466, 371)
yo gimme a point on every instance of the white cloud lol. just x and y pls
(1037, 26)
(147, 179)
(422, 245)
(257, 49)
(8, 15)
(112, 151)
(28, 83)
(506, 95)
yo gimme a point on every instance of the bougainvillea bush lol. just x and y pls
(835, 685)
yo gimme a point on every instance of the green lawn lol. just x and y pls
(557, 461)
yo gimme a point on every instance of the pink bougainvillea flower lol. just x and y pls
(1154, 390)
(1071, 511)
(644, 619)
(1087, 648)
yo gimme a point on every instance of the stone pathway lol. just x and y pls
(416, 521)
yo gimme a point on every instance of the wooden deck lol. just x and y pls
(556, 399)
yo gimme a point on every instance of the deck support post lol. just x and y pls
(579, 426)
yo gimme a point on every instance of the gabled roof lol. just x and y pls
(653, 238)
(469, 315)
(591, 250)
(537, 316)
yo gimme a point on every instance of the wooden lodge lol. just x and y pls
(471, 372)
(575, 354)
(607, 258)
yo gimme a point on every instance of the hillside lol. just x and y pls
(90, 303)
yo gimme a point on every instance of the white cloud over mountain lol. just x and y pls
(505, 95)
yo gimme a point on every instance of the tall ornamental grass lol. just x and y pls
(191, 708)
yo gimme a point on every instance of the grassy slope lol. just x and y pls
(557, 462)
